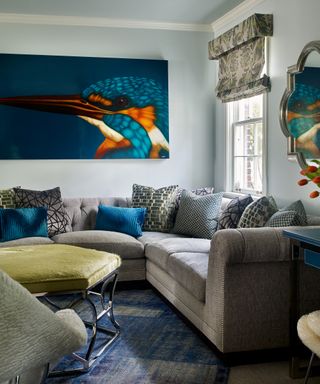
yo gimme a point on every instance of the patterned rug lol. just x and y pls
(155, 347)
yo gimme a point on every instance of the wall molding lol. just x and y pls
(234, 14)
(99, 22)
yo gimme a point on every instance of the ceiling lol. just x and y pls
(172, 11)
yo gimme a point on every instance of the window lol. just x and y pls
(246, 145)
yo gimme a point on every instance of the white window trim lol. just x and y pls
(229, 148)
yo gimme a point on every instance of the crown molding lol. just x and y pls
(234, 14)
(102, 22)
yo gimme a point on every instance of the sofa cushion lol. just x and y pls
(258, 213)
(231, 215)
(26, 241)
(160, 204)
(17, 223)
(50, 199)
(118, 219)
(154, 237)
(114, 242)
(82, 211)
(198, 215)
(284, 219)
(190, 270)
(159, 252)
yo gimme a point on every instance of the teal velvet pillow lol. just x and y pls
(23, 222)
(118, 219)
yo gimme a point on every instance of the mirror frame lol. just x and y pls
(313, 46)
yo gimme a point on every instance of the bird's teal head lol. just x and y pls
(130, 112)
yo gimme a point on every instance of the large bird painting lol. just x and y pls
(304, 112)
(116, 116)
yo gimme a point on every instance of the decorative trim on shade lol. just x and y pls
(241, 54)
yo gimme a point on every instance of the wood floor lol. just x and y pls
(267, 373)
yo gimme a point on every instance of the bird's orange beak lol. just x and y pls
(70, 105)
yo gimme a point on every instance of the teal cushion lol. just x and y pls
(23, 222)
(118, 219)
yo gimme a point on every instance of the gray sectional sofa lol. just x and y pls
(233, 288)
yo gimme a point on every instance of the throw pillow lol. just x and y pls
(198, 215)
(258, 213)
(284, 219)
(23, 222)
(298, 207)
(7, 198)
(230, 217)
(50, 199)
(160, 205)
(125, 220)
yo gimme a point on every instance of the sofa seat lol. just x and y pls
(184, 259)
(159, 252)
(27, 241)
(155, 237)
(190, 270)
(127, 247)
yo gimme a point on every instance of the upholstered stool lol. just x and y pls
(56, 269)
(309, 333)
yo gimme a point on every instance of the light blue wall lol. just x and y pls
(191, 112)
(296, 23)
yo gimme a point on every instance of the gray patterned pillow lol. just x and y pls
(7, 198)
(284, 219)
(198, 215)
(160, 204)
(51, 199)
(298, 207)
(293, 214)
(230, 217)
(258, 213)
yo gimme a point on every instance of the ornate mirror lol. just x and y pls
(300, 106)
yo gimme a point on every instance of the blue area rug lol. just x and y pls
(155, 347)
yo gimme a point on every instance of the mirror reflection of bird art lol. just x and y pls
(304, 118)
(130, 112)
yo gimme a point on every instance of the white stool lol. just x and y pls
(309, 333)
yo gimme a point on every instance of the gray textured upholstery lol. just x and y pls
(82, 212)
(160, 251)
(154, 237)
(123, 245)
(190, 270)
(26, 241)
(234, 288)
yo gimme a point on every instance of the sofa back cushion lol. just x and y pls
(82, 212)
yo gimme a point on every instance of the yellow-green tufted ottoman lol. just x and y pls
(64, 269)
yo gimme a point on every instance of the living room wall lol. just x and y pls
(191, 109)
(296, 23)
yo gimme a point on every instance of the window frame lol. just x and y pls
(230, 112)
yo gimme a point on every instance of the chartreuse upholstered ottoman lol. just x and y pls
(47, 270)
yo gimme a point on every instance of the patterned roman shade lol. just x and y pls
(241, 55)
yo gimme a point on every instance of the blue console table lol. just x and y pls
(305, 244)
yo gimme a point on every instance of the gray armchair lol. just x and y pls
(31, 335)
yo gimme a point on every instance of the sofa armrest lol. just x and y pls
(249, 245)
(248, 288)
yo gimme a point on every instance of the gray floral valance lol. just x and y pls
(241, 55)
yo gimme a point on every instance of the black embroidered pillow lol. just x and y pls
(50, 199)
(230, 217)
(160, 204)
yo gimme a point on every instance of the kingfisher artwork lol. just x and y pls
(304, 112)
(56, 107)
